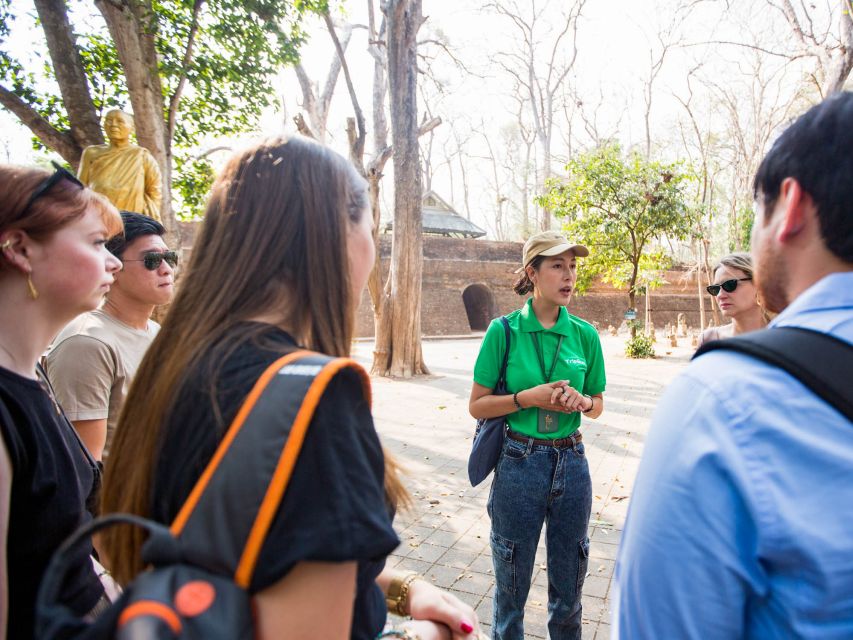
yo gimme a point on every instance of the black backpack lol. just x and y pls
(822, 362)
(201, 566)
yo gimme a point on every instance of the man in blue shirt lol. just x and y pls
(741, 522)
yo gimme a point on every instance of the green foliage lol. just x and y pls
(620, 206)
(191, 182)
(106, 77)
(239, 48)
(640, 346)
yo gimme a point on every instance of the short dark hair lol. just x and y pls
(817, 151)
(135, 225)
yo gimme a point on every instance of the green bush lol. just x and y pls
(640, 346)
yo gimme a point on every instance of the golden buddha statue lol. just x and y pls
(125, 173)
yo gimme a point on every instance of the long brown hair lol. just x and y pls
(274, 232)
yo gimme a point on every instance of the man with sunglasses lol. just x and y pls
(740, 520)
(94, 359)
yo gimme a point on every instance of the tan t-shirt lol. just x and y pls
(92, 363)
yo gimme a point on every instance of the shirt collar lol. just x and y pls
(830, 292)
(529, 323)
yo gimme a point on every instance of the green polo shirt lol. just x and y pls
(580, 361)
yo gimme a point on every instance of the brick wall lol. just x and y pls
(452, 266)
(482, 272)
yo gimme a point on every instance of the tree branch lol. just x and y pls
(334, 70)
(357, 139)
(50, 136)
(755, 47)
(175, 100)
(302, 126)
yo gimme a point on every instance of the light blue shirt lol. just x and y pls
(741, 518)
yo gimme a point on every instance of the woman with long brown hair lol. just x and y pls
(280, 264)
(53, 266)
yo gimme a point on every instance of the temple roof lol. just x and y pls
(439, 218)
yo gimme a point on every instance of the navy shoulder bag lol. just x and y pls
(490, 432)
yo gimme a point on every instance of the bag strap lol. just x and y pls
(224, 522)
(820, 361)
(502, 375)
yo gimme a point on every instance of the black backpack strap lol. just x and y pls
(224, 522)
(820, 361)
(502, 377)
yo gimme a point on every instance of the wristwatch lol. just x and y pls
(592, 403)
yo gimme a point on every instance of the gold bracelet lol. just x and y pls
(397, 599)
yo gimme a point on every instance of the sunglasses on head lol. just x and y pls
(51, 181)
(153, 259)
(728, 286)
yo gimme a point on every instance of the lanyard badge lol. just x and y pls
(548, 421)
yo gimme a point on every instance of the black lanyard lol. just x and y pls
(535, 337)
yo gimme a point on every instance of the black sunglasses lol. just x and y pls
(153, 259)
(58, 176)
(728, 286)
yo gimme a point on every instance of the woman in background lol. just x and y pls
(737, 298)
(279, 265)
(53, 267)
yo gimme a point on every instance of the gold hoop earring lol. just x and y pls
(31, 289)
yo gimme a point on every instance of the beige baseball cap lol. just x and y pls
(549, 243)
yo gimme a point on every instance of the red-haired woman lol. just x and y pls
(53, 266)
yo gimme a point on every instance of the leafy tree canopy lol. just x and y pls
(624, 207)
(219, 57)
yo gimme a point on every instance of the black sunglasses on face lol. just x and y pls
(58, 176)
(153, 259)
(728, 286)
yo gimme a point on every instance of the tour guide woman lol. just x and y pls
(555, 372)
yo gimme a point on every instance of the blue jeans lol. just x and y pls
(536, 484)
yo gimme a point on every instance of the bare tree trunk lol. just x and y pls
(840, 70)
(68, 67)
(705, 244)
(700, 293)
(545, 68)
(379, 292)
(406, 359)
(545, 222)
(133, 27)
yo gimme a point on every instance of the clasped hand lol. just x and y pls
(438, 615)
(555, 396)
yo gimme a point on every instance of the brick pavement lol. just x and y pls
(425, 423)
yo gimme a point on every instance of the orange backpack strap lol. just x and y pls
(224, 521)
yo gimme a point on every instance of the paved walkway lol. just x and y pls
(425, 423)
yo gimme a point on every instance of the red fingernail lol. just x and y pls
(466, 627)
